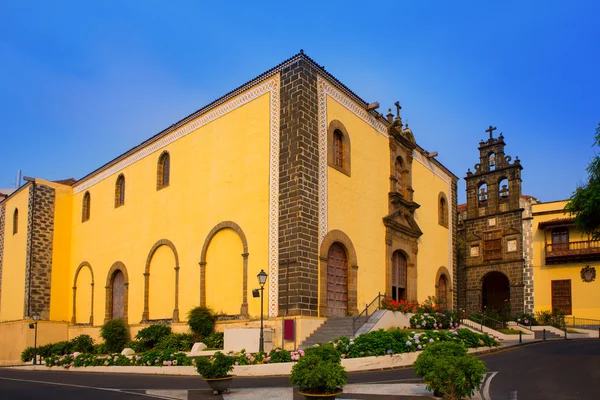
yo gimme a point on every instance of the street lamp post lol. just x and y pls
(262, 279)
(36, 318)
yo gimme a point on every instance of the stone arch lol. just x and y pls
(499, 280)
(443, 272)
(334, 126)
(117, 266)
(237, 229)
(337, 236)
(84, 264)
(170, 245)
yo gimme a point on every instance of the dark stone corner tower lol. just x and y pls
(491, 269)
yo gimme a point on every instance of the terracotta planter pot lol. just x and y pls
(316, 396)
(219, 385)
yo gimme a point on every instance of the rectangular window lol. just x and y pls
(492, 245)
(561, 296)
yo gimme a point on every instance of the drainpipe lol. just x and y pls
(32, 180)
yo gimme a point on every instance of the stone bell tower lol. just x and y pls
(492, 268)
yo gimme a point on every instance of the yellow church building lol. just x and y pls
(291, 173)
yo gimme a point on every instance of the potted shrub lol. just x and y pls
(449, 371)
(215, 371)
(319, 374)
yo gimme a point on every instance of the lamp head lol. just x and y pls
(36, 316)
(262, 277)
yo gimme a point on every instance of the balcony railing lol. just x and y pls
(558, 253)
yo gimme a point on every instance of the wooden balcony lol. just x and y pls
(572, 252)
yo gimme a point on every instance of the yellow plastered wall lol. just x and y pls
(14, 260)
(584, 295)
(224, 273)
(15, 336)
(219, 172)
(61, 281)
(162, 284)
(357, 204)
(433, 244)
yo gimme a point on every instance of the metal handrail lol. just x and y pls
(582, 322)
(486, 321)
(366, 311)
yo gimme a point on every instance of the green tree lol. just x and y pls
(584, 204)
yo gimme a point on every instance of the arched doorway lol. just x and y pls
(118, 295)
(495, 291)
(399, 275)
(337, 281)
(442, 288)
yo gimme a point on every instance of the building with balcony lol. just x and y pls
(565, 263)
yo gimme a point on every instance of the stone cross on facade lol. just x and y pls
(490, 130)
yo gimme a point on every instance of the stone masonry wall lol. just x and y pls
(40, 233)
(298, 191)
(2, 224)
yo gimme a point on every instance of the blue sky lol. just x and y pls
(83, 82)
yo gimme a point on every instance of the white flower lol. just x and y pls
(408, 343)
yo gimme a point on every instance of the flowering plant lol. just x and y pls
(215, 367)
(402, 305)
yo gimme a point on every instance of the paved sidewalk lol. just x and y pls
(389, 391)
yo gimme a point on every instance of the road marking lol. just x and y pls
(486, 386)
(84, 387)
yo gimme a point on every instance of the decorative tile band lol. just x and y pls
(274, 200)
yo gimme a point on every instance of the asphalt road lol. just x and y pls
(558, 370)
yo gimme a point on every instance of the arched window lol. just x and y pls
(399, 276)
(492, 161)
(120, 191)
(338, 148)
(85, 207)
(163, 171)
(16, 221)
(443, 211)
(398, 171)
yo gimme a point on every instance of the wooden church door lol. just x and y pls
(337, 281)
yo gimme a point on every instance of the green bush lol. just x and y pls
(137, 346)
(100, 349)
(526, 319)
(217, 366)
(176, 342)
(317, 375)
(325, 353)
(279, 355)
(82, 344)
(115, 334)
(27, 354)
(448, 371)
(60, 348)
(556, 318)
(201, 321)
(214, 341)
(152, 334)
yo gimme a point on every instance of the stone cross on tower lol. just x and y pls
(398, 108)
(490, 130)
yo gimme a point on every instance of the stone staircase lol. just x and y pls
(333, 328)
(549, 335)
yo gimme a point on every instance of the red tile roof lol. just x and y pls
(68, 182)
(556, 222)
